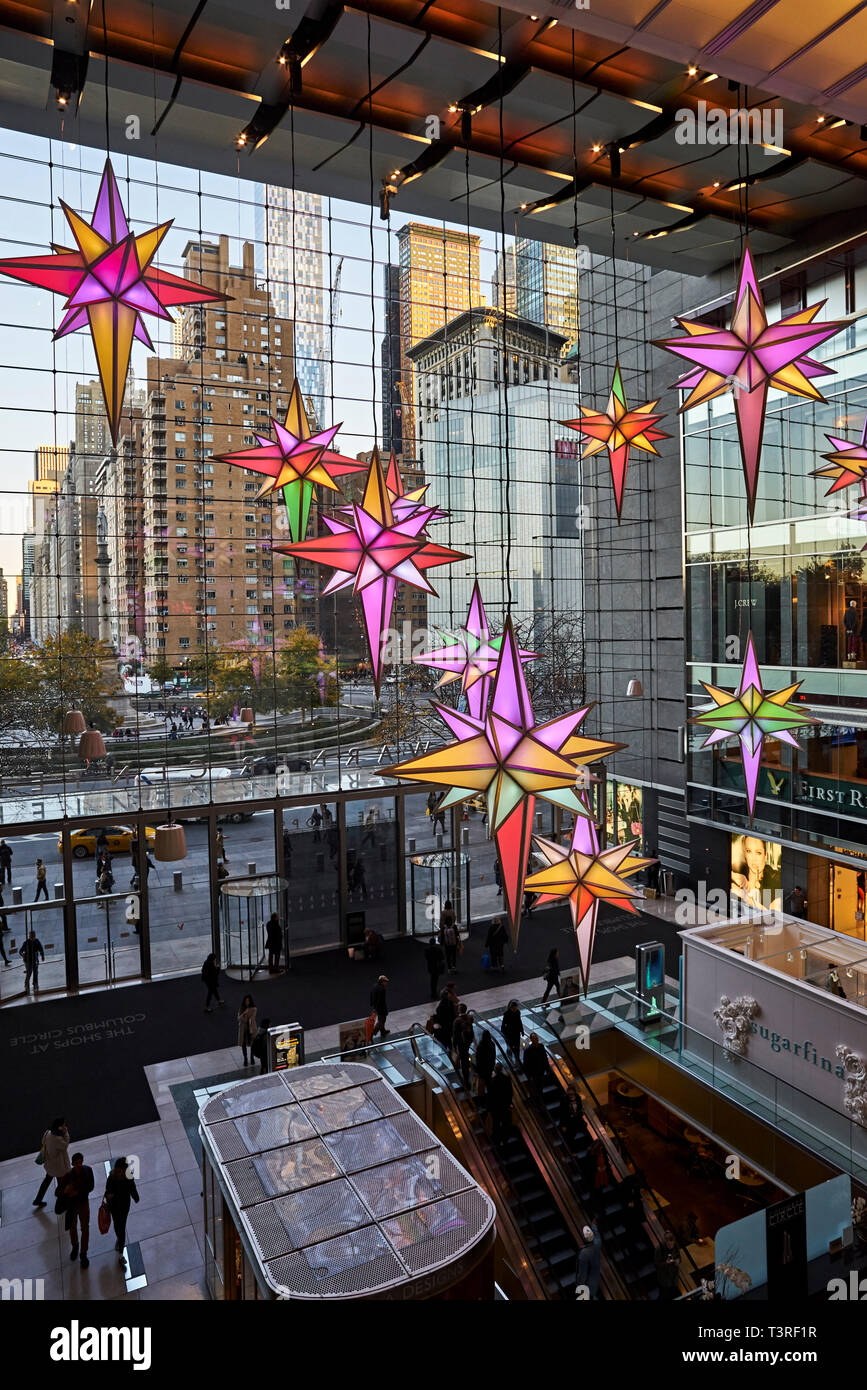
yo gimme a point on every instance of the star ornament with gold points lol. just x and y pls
(587, 876)
(296, 460)
(470, 657)
(618, 429)
(372, 550)
(748, 358)
(848, 462)
(752, 715)
(510, 759)
(109, 282)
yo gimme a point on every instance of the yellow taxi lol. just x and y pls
(118, 839)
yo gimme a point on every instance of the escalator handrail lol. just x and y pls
(612, 1279)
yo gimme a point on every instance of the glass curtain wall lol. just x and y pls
(141, 584)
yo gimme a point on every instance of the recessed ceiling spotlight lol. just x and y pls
(692, 70)
(821, 120)
(597, 149)
(716, 183)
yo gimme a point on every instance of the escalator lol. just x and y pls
(607, 1191)
(537, 1206)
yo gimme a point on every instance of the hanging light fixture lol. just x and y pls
(634, 689)
(247, 716)
(170, 843)
(74, 722)
(91, 745)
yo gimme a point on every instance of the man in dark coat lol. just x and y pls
(499, 1097)
(536, 1065)
(273, 943)
(379, 1005)
(435, 960)
(512, 1028)
(446, 1013)
(75, 1188)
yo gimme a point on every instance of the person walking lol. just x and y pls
(74, 1191)
(512, 1028)
(4, 927)
(495, 943)
(54, 1152)
(446, 1012)
(500, 1102)
(449, 937)
(41, 884)
(463, 1037)
(5, 862)
(667, 1260)
(552, 974)
(120, 1192)
(31, 952)
(246, 1025)
(211, 978)
(434, 959)
(588, 1273)
(484, 1061)
(379, 1005)
(221, 848)
(273, 943)
(536, 1065)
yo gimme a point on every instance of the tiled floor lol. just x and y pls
(164, 1236)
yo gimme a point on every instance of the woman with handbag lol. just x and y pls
(54, 1157)
(120, 1191)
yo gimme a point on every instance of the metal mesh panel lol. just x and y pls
(353, 1106)
(371, 1144)
(331, 1078)
(385, 1098)
(260, 1094)
(395, 1187)
(307, 1218)
(269, 1129)
(282, 1170)
(437, 1233)
(227, 1141)
(351, 1264)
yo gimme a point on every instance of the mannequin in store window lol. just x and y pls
(852, 624)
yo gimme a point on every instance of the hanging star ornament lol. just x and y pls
(296, 460)
(848, 462)
(750, 357)
(470, 656)
(618, 429)
(751, 715)
(109, 283)
(510, 759)
(586, 876)
(373, 551)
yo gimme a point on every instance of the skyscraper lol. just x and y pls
(289, 255)
(546, 285)
(206, 561)
(439, 279)
(392, 404)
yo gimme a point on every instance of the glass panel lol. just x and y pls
(371, 863)
(311, 864)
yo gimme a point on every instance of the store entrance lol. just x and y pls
(846, 900)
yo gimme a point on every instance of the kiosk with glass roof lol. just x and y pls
(321, 1183)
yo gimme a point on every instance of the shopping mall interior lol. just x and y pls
(433, 655)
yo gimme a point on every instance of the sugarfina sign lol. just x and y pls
(805, 1050)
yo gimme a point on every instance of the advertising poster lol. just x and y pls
(756, 872)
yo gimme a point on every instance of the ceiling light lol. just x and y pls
(821, 120)
(835, 125)
(453, 109)
(692, 70)
(597, 149)
(716, 184)
(534, 16)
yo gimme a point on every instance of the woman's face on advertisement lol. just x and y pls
(755, 855)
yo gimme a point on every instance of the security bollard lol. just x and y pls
(178, 879)
(251, 868)
(58, 890)
(17, 896)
